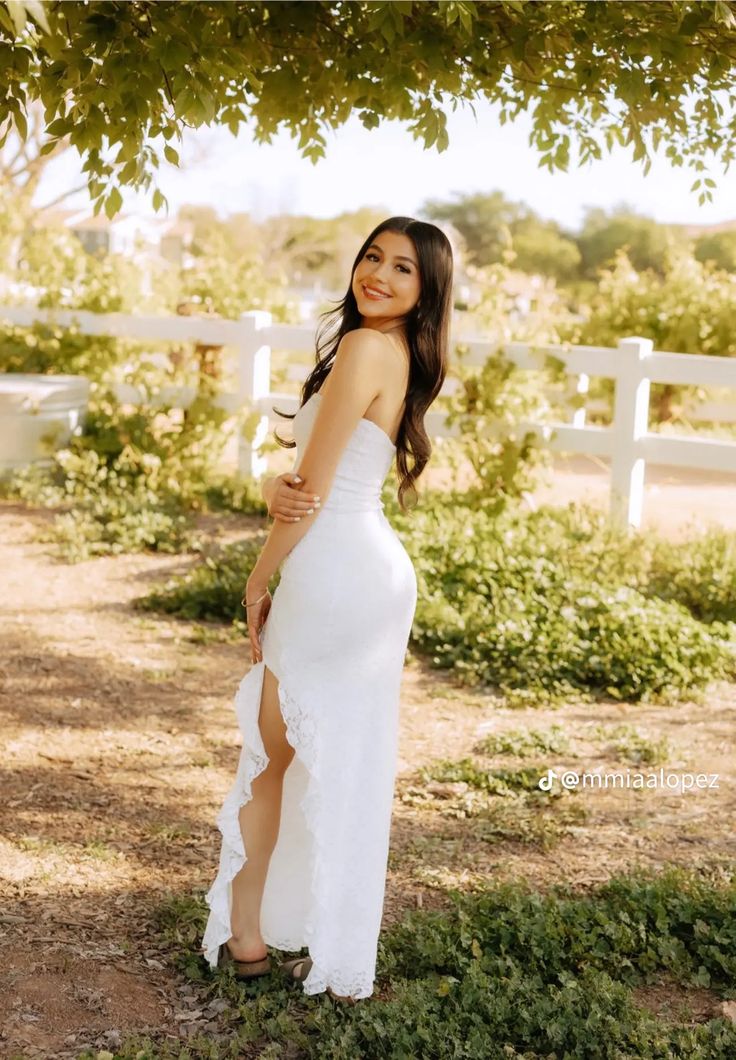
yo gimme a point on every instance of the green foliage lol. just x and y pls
(550, 604)
(132, 480)
(543, 605)
(236, 65)
(629, 745)
(493, 781)
(228, 279)
(54, 263)
(646, 241)
(504, 972)
(522, 742)
(213, 589)
(688, 309)
(134, 476)
(489, 411)
(701, 578)
(542, 247)
(495, 229)
(718, 248)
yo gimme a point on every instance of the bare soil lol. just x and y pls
(120, 743)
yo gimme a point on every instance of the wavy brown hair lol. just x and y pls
(427, 334)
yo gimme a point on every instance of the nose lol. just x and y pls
(377, 280)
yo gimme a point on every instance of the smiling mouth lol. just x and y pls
(372, 293)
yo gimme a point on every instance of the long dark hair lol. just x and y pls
(427, 333)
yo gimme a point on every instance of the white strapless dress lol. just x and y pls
(336, 639)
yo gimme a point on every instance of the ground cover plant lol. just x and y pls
(503, 972)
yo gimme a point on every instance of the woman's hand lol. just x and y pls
(256, 615)
(286, 500)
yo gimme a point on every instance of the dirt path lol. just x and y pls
(120, 743)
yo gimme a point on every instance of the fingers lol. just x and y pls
(255, 625)
(294, 505)
(293, 513)
(255, 647)
(304, 498)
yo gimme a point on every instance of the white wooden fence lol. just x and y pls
(633, 365)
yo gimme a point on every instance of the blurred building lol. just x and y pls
(134, 236)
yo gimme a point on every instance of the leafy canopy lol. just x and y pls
(123, 80)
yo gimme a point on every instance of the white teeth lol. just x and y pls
(379, 294)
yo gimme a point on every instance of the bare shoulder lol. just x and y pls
(369, 362)
(367, 340)
(384, 351)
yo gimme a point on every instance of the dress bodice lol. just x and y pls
(363, 466)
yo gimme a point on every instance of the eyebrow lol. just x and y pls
(402, 256)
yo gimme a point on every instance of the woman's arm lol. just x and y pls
(361, 361)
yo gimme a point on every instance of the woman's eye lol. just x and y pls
(371, 257)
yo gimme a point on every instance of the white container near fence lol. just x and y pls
(38, 415)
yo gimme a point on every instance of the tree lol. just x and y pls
(21, 168)
(483, 220)
(123, 80)
(492, 226)
(542, 247)
(719, 248)
(645, 240)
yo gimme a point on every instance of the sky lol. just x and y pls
(386, 168)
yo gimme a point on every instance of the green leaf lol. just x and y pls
(17, 11)
(21, 124)
(58, 128)
(113, 203)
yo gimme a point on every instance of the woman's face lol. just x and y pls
(390, 267)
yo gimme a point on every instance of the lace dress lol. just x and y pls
(336, 639)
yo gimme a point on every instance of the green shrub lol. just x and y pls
(493, 781)
(210, 591)
(132, 480)
(628, 745)
(699, 573)
(546, 605)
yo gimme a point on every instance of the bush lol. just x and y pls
(212, 590)
(134, 479)
(550, 604)
(135, 476)
(700, 574)
(688, 309)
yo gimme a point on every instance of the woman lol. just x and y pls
(306, 825)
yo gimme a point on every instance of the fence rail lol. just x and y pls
(633, 365)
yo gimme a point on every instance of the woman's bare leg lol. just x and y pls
(259, 825)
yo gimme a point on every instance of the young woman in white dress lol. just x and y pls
(311, 803)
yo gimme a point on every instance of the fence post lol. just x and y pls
(630, 423)
(254, 382)
(578, 384)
